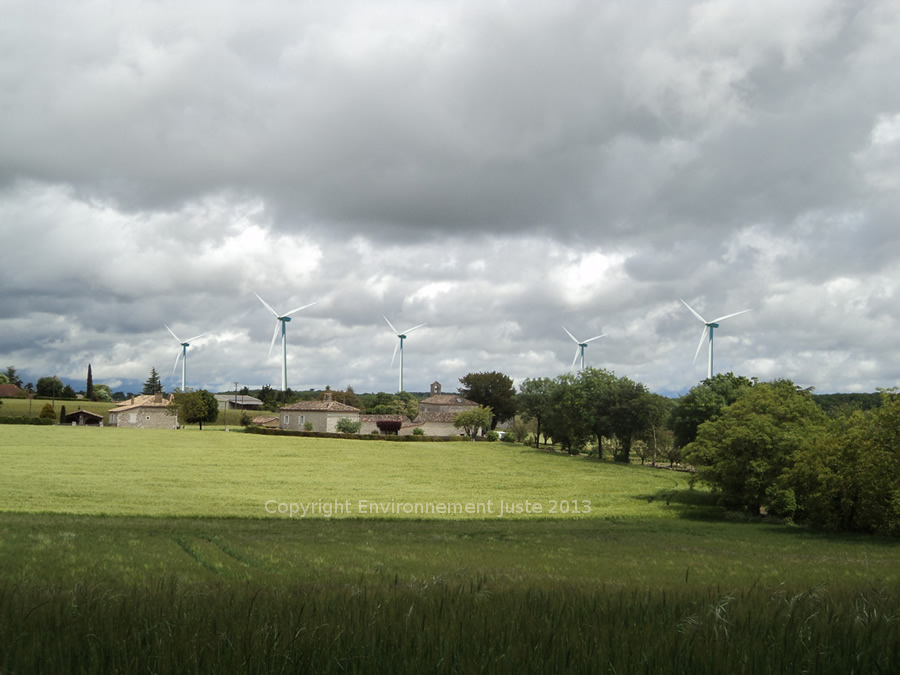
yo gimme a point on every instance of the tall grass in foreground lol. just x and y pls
(436, 626)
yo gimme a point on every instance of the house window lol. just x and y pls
(287, 420)
(147, 417)
(132, 417)
(301, 419)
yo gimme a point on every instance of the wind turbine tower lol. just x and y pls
(402, 336)
(281, 321)
(580, 348)
(183, 353)
(707, 334)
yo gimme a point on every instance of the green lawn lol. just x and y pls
(151, 550)
(212, 473)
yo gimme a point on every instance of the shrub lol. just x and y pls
(308, 426)
(389, 426)
(418, 431)
(47, 412)
(347, 426)
(492, 436)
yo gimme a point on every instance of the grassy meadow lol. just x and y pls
(153, 550)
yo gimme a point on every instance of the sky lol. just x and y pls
(496, 170)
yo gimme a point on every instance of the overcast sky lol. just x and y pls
(495, 169)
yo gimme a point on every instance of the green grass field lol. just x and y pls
(159, 545)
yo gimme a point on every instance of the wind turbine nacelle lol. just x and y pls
(713, 325)
(284, 318)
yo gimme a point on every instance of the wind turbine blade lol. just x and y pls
(394, 355)
(693, 312)
(728, 316)
(413, 328)
(173, 334)
(268, 307)
(304, 307)
(396, 332)
(702, 339)
(574, 339)
(196, 337)
(595, 338)
(274, 337)
(575, 360)
(177, 356)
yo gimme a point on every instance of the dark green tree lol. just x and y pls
(850, 478)
(47, 412)
(89, 387)
(153, 384)
(49, 387)
(62, 414)
(533, 402)
(598, 389)
(569, 420)
(195, 407)
(743, 451)
(704, 402)
(13, 377)
(493, 390)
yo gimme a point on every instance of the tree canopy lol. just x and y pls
(473, 420)
(153, 384)
(195, 407)
(493, 390)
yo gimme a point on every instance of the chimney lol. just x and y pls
(327, 397)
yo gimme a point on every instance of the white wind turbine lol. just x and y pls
(708, 327)
(183, 353)
(282, 320)
(580, 348)
(402, 337)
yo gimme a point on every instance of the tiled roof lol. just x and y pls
(447, 399)
(442, 417)
(143, 401)
(383, 418)
(241, 399)
(10, 390)
(321, 406)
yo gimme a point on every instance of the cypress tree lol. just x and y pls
(89, 389)
(153, 383)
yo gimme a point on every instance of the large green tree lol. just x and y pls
(743, 451)
(534, 403)
(493, 390)
(849, 479)
(195, 407)
(704, 402)
(49, 387)
(569, 420)
(598, 390)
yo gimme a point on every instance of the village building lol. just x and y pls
(238, 402)
(265, 421)
(323, 415)
(83, 418)
(144, 412)
(436, 413)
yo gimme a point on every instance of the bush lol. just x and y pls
(246, 420)
(507, 438)
(308, 426)
(418, 431)
(389, 426)
(347, 426)
(24, 419)
(47, 412)
(492, 436)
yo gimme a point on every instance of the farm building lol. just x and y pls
(323, 415)
(143, 412)
(238, 402)
(369, 423)
(84, 418)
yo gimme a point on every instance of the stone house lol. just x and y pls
(144, 412)
(436, 413)
(323, 415)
